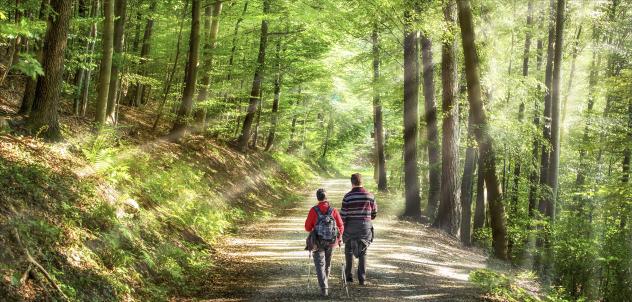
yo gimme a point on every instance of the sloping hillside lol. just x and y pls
(125, 215)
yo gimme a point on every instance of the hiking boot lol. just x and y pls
(364, 282)
(324, 292)
(349, 280)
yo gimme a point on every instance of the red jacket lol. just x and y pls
(312, 217)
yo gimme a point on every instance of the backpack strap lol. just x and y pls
(330, 211)
(318, 212)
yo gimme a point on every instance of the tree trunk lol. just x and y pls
(485, 142)
(106, 61)
(467, 184)
(211, 26)
(31, 83)
(432, 135)
(186, 106)
(574, 53)
(449, 215)
(525, 73)
(583, 151)
(117, 63)
(378, 124)
(44, 117)
(255, 135)
(172, 73)
(277, 98)
(548, 76)
(411, 121)
(479, 210)
(330, 130)
(231, 59)
(14, 49)
(85, 89)
(555, 112)
(138, 90)
(256, 83)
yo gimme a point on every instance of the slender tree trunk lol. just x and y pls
(277, 98)
(378, 124)
(106, 61)
(137, 94)
(583, 151)
(14, 50)
(209, 49)
(479, 211)
(555, 111)
(85, 89)
(330, 130)
(533, 174)
(172, 73)
(255, 135)
(231, 59)
(574, 53)
(31, 83)
(186, 106)
(548, 76)
(256, 83)
(467, 185)
(525, 73)
(411, 121)
(485, 142)
(449, 215)
(432, 134)
(117, 63)
(44, 118)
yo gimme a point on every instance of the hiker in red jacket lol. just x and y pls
(326, 229)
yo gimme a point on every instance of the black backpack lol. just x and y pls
(326, 230)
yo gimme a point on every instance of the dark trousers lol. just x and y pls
(349, 263)
(322, 262)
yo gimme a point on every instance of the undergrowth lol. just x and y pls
(119, 221)
(519, 288)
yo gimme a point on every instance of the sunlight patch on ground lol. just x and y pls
(426, 296)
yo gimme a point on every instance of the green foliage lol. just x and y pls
(29, 66)
(498, 286)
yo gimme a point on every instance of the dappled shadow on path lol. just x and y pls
(407, 261)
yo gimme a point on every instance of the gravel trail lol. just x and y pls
(407, 261)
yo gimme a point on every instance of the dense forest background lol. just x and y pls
(506, 124)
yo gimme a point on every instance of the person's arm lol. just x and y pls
(311, 220)
(339, 223)
(343, 211)
(373, 208)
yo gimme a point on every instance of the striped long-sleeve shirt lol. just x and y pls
(358, 204)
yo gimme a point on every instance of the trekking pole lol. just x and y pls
(342, 273)
(309, 268)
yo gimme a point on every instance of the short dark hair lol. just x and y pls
(321, 194)
(356, 179)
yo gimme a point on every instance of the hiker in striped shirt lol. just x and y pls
(357, 211)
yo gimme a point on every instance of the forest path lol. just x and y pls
(266, 262)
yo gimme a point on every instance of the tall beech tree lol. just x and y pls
(432, 133)
(378, 122)
(211, 28)
(31, 82)
(277, 98)
(186, 105)
(44, 117)
(105, 70)
(554, 161)
(256, 82)
(136, 94)
(449, 215)
(485, 142)
(120, 11)
(411, 119)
